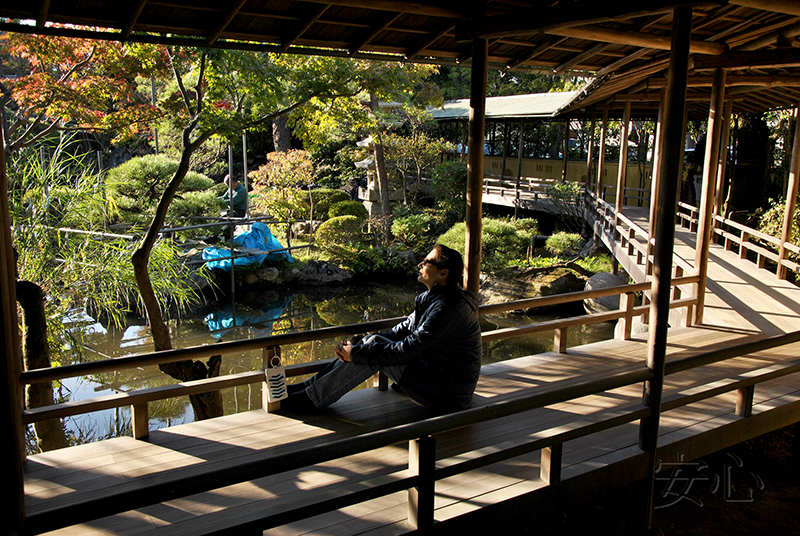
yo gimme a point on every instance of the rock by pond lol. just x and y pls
(532, 283)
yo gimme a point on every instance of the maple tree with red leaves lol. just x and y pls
(72, 84)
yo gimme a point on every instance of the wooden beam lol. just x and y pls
(638, 39)
(534, 53)
(601, 156)
(41, 14)
(788, 7)
(432, 38)
(723, 157)
(227, 17)
(791, 193)
(449, 10)
(388, 21)
(674, 115)
(779, 57)
(541, 19)
(477, 117)
(576, 60)
(131, 23)
(304, 25)
(770, 80)
(622, 172)
(710, 167)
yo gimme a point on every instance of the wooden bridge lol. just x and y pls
(545, 430)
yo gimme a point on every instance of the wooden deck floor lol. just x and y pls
(743, 305)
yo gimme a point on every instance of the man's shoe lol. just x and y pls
(299, 403)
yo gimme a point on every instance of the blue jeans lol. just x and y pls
(338, 378)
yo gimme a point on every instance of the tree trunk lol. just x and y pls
(205, 405)
(36, 354)
(281, 136)
(380, 163)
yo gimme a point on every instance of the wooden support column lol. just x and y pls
(12, 393)
(719, 191)
(520, 153)
(622, 175)
(654, 182)
(791, 199)
(565, 150)
(705, 221)
(670, 169)
(601, 161)
(477, 116)
(601, 155)
(590, 153)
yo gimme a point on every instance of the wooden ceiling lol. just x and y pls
(623, 45)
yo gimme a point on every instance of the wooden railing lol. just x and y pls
(749, 242)
(529, 185)
(424, 469)
(638, 196)
(139, 400)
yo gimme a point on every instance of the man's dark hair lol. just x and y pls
(450, 259)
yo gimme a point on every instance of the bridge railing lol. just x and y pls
(750, 243)
(270, 346)
(424, 469)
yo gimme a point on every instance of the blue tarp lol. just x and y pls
(259, 237)
(261, 320)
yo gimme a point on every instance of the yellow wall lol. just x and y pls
(576, 170)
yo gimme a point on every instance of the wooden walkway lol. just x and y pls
(743, 304)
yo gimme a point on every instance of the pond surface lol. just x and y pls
(258, 313)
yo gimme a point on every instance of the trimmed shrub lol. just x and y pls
(563, 244)
(339, 231)
(348, 208)
(413, 231)
(137, 185)
(502, 242)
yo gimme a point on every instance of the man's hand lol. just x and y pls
(343, 349)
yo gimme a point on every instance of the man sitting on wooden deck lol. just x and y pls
(434, 355)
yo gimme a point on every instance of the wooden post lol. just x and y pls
(519, 166)
(140, 420)
(268, 356)
(477, 116)
(12, 393)
(422, 462)
(670, 169)
(622, 175)
(791, 199)
(744, 401)
(626, 304)
(380, 381)
(654, 182)
(565, 150)
(560, 340)
(601, 155)
(710, 163)
(550, 466)
(590, 153)
(505, 156)
(719, 191)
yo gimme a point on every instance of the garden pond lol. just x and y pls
(258, 314)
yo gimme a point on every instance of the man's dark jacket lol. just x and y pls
(440, 344)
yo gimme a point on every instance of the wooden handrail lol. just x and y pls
(258, 343)
(148, 494)
(145, 396)
(213, 479)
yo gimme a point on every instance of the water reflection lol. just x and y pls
(258, 314)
